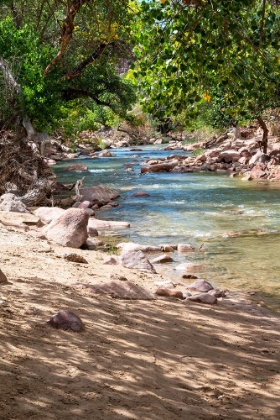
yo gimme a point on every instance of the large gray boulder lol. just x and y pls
(99, 194)
(70, 229)
(137, 260)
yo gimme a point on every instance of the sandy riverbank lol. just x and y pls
(162, 359)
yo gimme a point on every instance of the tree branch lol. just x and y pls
(71, 93)
(67, 31)
(76, 71)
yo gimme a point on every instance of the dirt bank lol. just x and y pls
(162, 359)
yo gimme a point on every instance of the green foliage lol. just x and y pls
(221, 53)
(85, 81)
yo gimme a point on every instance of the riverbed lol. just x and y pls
(234, 225)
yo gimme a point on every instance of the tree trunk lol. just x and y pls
(263, 144)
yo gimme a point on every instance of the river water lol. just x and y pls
(234, 225)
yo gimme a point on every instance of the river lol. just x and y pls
(234, 225)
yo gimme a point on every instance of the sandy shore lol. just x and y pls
(162, 359)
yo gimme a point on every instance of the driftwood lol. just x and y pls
(77, 197)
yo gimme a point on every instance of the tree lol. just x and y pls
(52, 52)
(202, 51)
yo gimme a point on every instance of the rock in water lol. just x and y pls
(66, 320)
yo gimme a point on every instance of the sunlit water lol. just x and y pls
(202, 209)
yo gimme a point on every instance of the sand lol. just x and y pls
(162, 359)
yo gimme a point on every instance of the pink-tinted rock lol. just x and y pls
(3, 278)
(201, 285)
(141, 194)
(82, 205)
(131, 246)
(161, 291)
(162, 167)
(118, 289)
(92, 231)
(105, 224)
(77, 168)
(70, 229)
(168, 248)
(136, 260)
(185, 248)
(259, 171)
(217, 293)
(47, 214)
(161, 259)
(66, 320)
(203, 298)
(111, 261)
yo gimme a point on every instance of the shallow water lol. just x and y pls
(235, 224)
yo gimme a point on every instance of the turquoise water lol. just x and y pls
(233, 224)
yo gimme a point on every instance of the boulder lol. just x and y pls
(162, 167)
(77, 167)
(66, 320)
(201, 285)
(16, 219)
(70, 229)
(161, 259)
(99, 194)
(258, 157)
(141, 194)
(131, 246)
(203, 298)
(93, 243)
(136, 260)
(3, 278)
(105, 224)
(47, 214)
(11, 203)
(259, 171)
(118, 289)
(185, 248)
(106, 153)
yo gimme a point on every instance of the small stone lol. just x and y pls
(66, 320)
(185, 248)
(203, 298)
(75, 258)
(3, 278)
(162, 291)
(111, 261)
